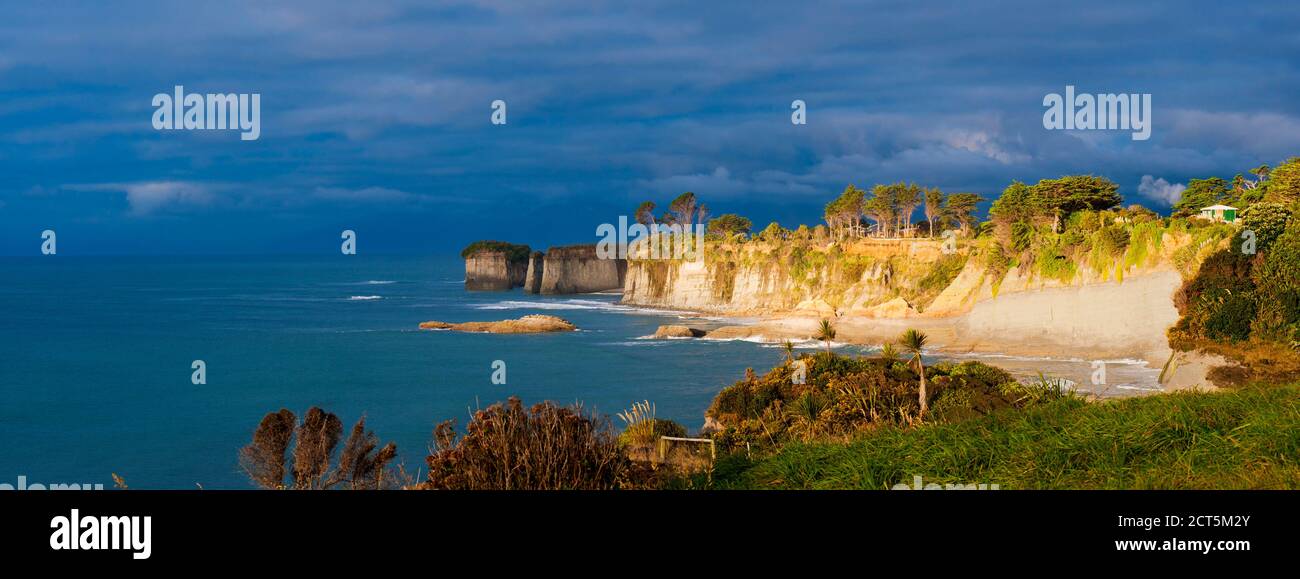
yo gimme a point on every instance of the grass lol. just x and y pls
(1240, 439)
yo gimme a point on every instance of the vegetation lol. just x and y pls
(1248, 438)
(729, 225)
(359, 464)
(843, 396)
(546, 447)
(514, 252)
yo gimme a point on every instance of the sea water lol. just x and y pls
(97, 358)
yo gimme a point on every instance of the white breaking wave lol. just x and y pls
(379, 282)
(364, 298)
(570, 304)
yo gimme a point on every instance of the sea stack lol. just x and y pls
(533, 281)
(495, 265)
(577, 269)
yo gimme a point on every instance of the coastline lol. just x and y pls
(1115, 322)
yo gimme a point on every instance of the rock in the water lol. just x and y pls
(530, 324)
(672, 331)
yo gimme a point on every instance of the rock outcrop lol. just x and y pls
(530, 324)
(495, 265)
(533, 281)
(675, 331)
(577, 269)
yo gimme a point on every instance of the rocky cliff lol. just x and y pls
(577, 269)
(533, 281)
(876, 288)
(493, 271)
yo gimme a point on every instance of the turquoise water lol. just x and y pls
(96, 354)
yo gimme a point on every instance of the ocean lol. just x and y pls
(97, 356)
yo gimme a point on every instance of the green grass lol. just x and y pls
(1242, 439)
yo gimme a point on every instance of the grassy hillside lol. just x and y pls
(1247, 438)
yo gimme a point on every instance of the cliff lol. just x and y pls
(1116, 306)
(533, 281)
(493, 271)
(577, 269)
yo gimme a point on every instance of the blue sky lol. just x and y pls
(375, 115)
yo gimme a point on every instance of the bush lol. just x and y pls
(1267, 220)
(546, 447)
(1277, 279)
(359, 465)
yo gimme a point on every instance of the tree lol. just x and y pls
(845, 210)
(826, 333)
(788, 346)
(961, 207)
(773, 232)
(683, 209)
(645, 214)
(913, 342)
(1284, 182)
(730, 224)
(1058, 198)
(883, 207)
(1200, 193)
(934, 199)
(908, 198)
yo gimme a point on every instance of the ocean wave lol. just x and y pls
(569, 304)
(379, 282)
(365, 298)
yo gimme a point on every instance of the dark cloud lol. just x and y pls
(377, 112)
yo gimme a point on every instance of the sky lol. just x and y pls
(376, 116)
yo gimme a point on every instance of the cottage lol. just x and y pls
(1220, 213)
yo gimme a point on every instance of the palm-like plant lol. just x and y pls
(789, 350)
(889, 354)
(806, 410)
(913, 342)
(826, 333)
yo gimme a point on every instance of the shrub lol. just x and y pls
(546, 447)
(1267, 220)
(1277, 279)
(359, 465)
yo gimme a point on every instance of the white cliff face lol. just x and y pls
(871, 289)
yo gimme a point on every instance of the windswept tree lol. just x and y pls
(683, 209)
(1284, 182)
(645, 214)
(730, 224)
(934, 206)
(1200, 193)
(359, 464)
(961, 208)
(913, 342)
(845, 211)
(1058, 198)
(908, 198)
(882, 208)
